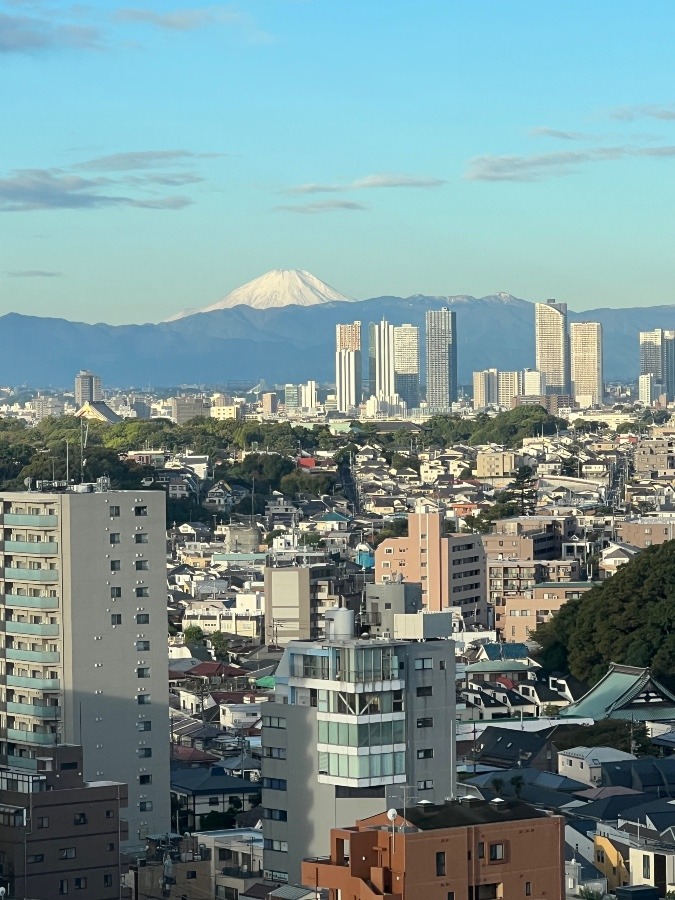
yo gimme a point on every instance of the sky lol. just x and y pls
(155, 156)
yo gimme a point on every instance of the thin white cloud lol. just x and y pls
(553, 165)
(29, 34)
(34, 273)
(644, 111)
(383, 180)
(182, 19)
(557, 134)
(140, 159)
(322, 206)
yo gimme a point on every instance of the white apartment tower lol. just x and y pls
(407, 364)
(485, 388)
(657, 358)
(88, 388)
(534, 383)
(586, 363)
(552, 346)
(348, 366)
(83, 640)
(385, 382)
(509, 386)
(441, 326)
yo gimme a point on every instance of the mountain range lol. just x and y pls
(281, 328)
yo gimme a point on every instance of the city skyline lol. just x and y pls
(150, 190)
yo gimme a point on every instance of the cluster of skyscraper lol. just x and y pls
(394, 354)
(657, 365)
(569, 358)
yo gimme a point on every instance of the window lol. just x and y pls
(115, 593)
(80, 819)
(143, 699)
(481, 850)
(114, 512)
(63, 886)
(646, 866)
(142, 592)
(425, 691)
(274, 784)
(425, 785)
(425, 722)
(274, 752)
(67, 853)
(115, 537)
(528, 888)
(145, 806)
(141, 539)
(143, 619)
(279, 846)
(68, 765)
(142, 565)
(440, 864)
(143, 672)
(273, 722)
(145, 725)
(115, 565)
(144, 752)
(116, 619)
(425, 754)
(43, 822)
(142, 645)
(277, 815)
(191, 873)
(110, 847)
(140, 510)
(214, 801)
(80, 884)
(496, 852)
(145, 779)
(35, 858)
(424, 663)
(107, 881)
(110, 813)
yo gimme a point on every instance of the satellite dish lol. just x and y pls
(392, 815)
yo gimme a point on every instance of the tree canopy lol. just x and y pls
(629, 619)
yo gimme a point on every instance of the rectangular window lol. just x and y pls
(145, 726)
(273, 722)
(43, 822)
(143, 619)
(142, 646)
(110, 847)
(425, 722)
(67, 853)
(646, 866)
(80, 819)
(80, 884)
(141, 539)
(145, 806)
(274, 784)
(115, 537)
(115, 565)
(143, 699)
(481, 850)
(274, 752)
(425, 691)
(142, 592)
(143, 672)
(145, 779)
(63, 886)
(424, 663)
(440, 864)
(425, 785)
(214, 801)
(191, 873)
(142, 565)
(107, 881)
(425, 754)
(114, 512)
(528, 888)
(144, 752)
(496, 852)
(115, 593)
(35, 858)
(110, 813)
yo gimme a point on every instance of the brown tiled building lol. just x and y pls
(461, 850)
(58, 833)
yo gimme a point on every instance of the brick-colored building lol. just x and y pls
(450, 568)
(460, 850)
(645, 532)
(519, 616)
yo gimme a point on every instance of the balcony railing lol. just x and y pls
(22, 762)
(41, 656)
(39, 548)
(25, 520)
(37, 684)
(43, 629)
(32, 737)
(33, 709)
(11, 573)
(20, 600)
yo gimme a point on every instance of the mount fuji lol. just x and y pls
(273, 290)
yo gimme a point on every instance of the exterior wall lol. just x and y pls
(552, 346)
(441, 356)
(586, 361)
(495, 464)
(93, 667)
(287, 604)
(384, 601)
(521, 615)
(612, 859)
(645, 533)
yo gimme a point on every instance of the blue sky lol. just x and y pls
(155, 156)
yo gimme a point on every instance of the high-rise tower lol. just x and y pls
(348, 366)
(586, 362)
(407, 364)
(552, 346)
(88, 388)
(383, 336)
(441, 358)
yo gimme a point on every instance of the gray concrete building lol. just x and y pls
(356, 726)
(83, 639)
(383, 601)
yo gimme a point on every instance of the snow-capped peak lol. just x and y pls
(280, 287)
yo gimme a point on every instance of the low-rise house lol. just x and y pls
(585, 763)
(201, 791)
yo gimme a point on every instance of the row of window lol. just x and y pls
(365, 734)
(81, 883)
(116, 592)
(141, 619)
(115, 511)
(116, 538)
(279, 846)
(141, 565)
(273, 722)
(375, 765)
(79, 819)
(274, 784)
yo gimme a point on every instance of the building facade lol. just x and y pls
(441, 350)
(356, 726)
(88, 388)
(552, 346)
(348, 366)
(407, 364)
(83, 607)
(385, 381)
(586, 363)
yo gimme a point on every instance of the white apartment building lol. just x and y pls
(441, 328)
(534, 383)
(407, 364)
(83, 639)
(586, 363)
(552, 345)
(348, 364)
(485, 388)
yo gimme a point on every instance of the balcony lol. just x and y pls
(22, 762)
(37, 656)
(33, 709)
(42, 629)
(25, 520)
(32, 737)
(10, 573)
(18, 600)
(37, 548)
(36, 684)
